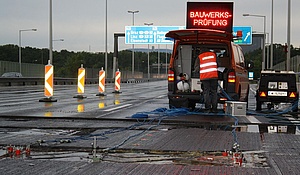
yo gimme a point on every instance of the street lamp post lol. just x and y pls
(61, 40)
(148, 24)
(272, 34)
(268, 50)
(264, 41)
(288, 55)
(50, 34)
(105, 61)
(133, 12)
(58, 40)
(158, 60)
(167, 60)
(20, 47)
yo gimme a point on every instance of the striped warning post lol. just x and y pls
(80, 82)
(101, 86)
(48, 89)
(117, 82)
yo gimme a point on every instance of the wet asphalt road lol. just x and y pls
(24, 101)
(136, 149)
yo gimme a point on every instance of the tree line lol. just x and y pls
(66, 62)
(279, 55)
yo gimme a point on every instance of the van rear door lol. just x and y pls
(193, 35)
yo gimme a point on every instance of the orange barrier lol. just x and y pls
(48, 89)
(101, 86)
(48, 80)
(80, 82)
(118, 82)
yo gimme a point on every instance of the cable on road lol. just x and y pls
(103, 135)
(273, 113)
(159, 115)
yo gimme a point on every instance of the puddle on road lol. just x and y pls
(265, 128)
(245, 159)
(218, 158)
(261, 128)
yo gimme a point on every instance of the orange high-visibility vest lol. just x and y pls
(208, 65)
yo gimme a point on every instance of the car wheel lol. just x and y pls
(247, 98)
(296, 106)
(192, 105)
(258, 105)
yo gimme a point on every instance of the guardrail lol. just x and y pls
(24, 81)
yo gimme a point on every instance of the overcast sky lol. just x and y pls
(81, 23)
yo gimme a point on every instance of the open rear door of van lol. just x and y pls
(192, 35)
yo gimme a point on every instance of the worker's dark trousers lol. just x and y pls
(210, 87)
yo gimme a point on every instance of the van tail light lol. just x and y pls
(223, 99)
(262, 94)
(231, 77)
(293, 95)
(171, 76)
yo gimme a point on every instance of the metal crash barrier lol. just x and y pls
(28, 81)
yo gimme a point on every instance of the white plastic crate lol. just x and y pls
(235, 108)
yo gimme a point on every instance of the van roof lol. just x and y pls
(199, 34)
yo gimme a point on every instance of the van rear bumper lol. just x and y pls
(190, 99)
(190, 96)
(277, 99)
(184, 99)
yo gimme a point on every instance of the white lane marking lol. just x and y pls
(253, 91)
(118, 107)
(292, 120)
(161, 96)
(252, 119)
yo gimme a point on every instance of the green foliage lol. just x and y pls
(66, 63)
(9, 53)
(256, 57)
(279, 55)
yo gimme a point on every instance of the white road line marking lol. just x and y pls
(161, 96)
(118, 107)
(253, 90)
(292, 120)
(252, 119)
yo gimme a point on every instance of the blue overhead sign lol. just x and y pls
(156, 34)
(148, 34)
(246, 38)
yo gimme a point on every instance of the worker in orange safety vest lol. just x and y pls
(209, 79)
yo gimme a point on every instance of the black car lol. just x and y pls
(277, 87)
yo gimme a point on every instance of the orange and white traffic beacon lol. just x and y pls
(48, 89)
(80, 83)
(117, 82)
(101, 86)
